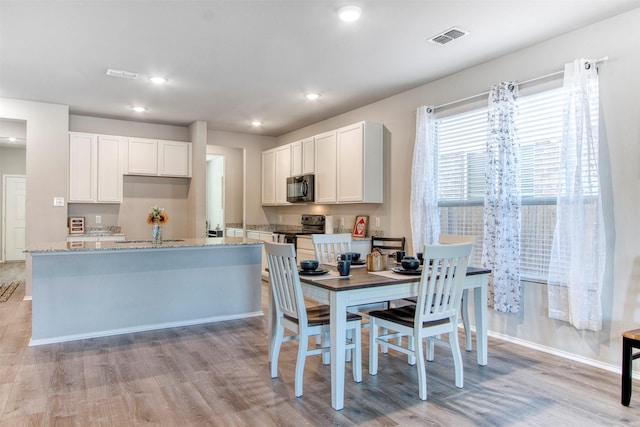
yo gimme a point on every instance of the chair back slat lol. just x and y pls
(285, 281)
(441, 284)
(328, 247)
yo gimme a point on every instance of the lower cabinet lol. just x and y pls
(104, 238)
(265, 237)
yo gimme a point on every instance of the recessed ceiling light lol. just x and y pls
(158, 80)
(256, 123)
(312, 96)
(349, 13)
(138, 109)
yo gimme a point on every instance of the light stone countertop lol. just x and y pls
(41, 248)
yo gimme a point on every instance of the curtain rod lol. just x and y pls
(524, 82)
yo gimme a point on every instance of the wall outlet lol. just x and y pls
(98, 219)
(279, 219)
(377, 222)
(342, 221)
(58, 201)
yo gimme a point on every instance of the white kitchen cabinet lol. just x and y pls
(95, 168)
(265, 237)
(269, 177)
(283, 171)
(234, 232)
(325, 168)
(303, 157)
(158, 157)
(359, 163)
(296, 158)
(308, 156)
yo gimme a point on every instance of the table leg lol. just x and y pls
(338, 339)
(480, 312)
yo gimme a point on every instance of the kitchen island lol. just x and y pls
(91, 289)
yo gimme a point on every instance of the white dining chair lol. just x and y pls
(328, 247)
(435, 313)
(291, 313)
(448, 239)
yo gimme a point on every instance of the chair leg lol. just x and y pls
(383, 347)
(356, 365)
(303, 344)
(275, 351)
(421, 366)
(373, 347)
(431, 350)
(627, 365)
(465, 319)
(326, 356)
(411, 345)
(457, 356)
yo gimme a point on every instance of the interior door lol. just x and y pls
(14, 217)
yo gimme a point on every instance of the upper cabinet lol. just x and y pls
(347, 164)
(325, 146)
(283, 171)
(359, 163)
(158, 157)
(303, 157)
(95, 168)
(269, 177)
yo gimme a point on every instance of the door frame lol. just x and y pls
(3, 243)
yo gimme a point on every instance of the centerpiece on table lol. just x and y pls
(157, 218)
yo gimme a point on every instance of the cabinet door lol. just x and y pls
(350, 169)
(325, 150)
(82, 168)
(308, 156)
(283, 171)
(296, 158)
(174, 158)
(109, 173)
(269, 177)
(143, 156)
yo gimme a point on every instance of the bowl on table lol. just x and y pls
(354, 256)
(410, 263)
(309, 264)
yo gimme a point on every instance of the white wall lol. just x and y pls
(619, 39)
(233, 183)
(13, 161)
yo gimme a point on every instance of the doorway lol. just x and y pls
(14, 217)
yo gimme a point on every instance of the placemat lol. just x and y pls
(330, 275)
(388, 273)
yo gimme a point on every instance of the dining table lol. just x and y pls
(364, 287)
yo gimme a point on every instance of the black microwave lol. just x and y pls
(300, 189)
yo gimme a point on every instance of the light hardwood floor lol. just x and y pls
(218, 374)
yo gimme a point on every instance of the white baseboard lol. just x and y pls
(111, 332)
(563, 354)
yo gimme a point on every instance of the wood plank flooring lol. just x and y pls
(218, 375)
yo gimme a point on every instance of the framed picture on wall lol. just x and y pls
(360, 226)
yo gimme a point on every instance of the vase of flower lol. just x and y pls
(156, 234)
(157, 218)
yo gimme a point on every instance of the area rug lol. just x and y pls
(7, 288)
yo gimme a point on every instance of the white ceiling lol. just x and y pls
(230, 62)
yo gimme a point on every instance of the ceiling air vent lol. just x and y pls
(448, 36)
(122, 74)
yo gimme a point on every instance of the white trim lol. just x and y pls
(563, 354)
(166, 325)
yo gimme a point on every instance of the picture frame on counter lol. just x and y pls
(360, 226)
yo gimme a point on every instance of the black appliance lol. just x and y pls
(310, 224)
(300, 189)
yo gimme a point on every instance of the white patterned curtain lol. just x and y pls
(425, 216)
(576, 269)
(501, 245)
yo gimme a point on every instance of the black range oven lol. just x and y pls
(310, 224)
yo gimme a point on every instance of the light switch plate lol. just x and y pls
(58, 201)
(378, 222)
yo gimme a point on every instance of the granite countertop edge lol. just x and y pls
(69, 247)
